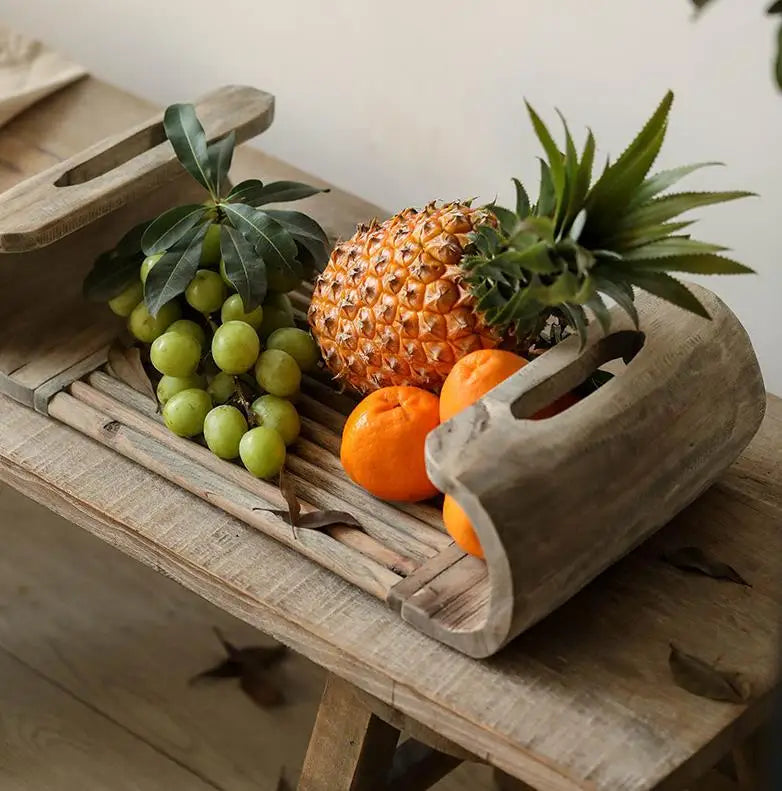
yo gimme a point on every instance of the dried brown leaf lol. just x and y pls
(700, 678)
(126, 366)
(316, 520)
(288, 490)
(696, 560)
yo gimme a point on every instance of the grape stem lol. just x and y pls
(244, 404)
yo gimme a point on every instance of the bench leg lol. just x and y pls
(350, 749)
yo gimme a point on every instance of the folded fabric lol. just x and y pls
(29, 71)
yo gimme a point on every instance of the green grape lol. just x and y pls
(224, 428)
(185, 412)
(126, 300)
(221, 387)
(280, 281)
(277, 312)
(187, 327)
(235, 347)
(147, 264)
(210, 252)
(169, 386)
(262, 451)
(279, 414)
(145, 327)
(233, 310)
(277, 373)
(224, 276)
(175, 354)
(298, 343)
(206, 291)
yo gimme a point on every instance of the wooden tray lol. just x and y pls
(554, 501)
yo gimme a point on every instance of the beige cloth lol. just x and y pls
(29, 71)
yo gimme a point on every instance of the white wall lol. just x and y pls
(402, 101)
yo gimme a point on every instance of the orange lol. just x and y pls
(460, 528)
(473, 376)
(383, 443)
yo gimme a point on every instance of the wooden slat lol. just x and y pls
(266, 494)
(403, 590)
(59, 382)
(406, 538)
(345, 561)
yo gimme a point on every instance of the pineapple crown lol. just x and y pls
(582, 240)
(255, 242)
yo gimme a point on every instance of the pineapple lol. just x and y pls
(402, 301)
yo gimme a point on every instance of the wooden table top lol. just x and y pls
(585, 700)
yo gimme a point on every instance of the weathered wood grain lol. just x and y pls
(367, 574)
(117, 171)
(554, 502)
(583, 701)
(350, 748)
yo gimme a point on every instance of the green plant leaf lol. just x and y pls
(693, 263)
(584, 177)
(661, 181)
(667, 207)
(273, 243)
(602, 314)
(130, 243)
(245, 192)
(284, 191)
(619, 294)
(187, 136)
(220, 154)
(778, 62)
(775, 8)
(172, 273)
(167, 229)
(609, 197)
(547, 198)
(509, 222)
(568, 208)
(305, 231)
(577, 319)
(486, 239)
(522, 200)
(629, 239)
(243, 267)
(516, 307)
(554, 155)
(532, 259)
(110, 275)
(671, 245)
(579, 221)
(665, 287)
(542, 227)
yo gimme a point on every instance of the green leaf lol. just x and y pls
(284, 191)
(629, 239)
(615, 189)
(130, 243)
(220, 154)
(670, 206)
(664, 179)
(564, 288)
(542, 227)
(172, 273)
(694, 263)
(554, 155)
(515, 307)
(601, 312)
(273, 243)
(619, 294)
(243, 267)
(775, 8)
(167, 229)
(577, 319)
(184, 131)
(547, 198)
(110, 275)
(778, 63)
(246, 192)
(486, 239)
(305, 231)
(578, 225)
(584, 178)
(671, 245)
(568, 208)
(533, 259)
(665, 287)
(509, 221)
(522, 200)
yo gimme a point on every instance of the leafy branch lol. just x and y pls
(257, 248)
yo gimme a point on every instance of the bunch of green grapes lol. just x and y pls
(226, 374)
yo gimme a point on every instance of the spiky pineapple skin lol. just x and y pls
(392, 308)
